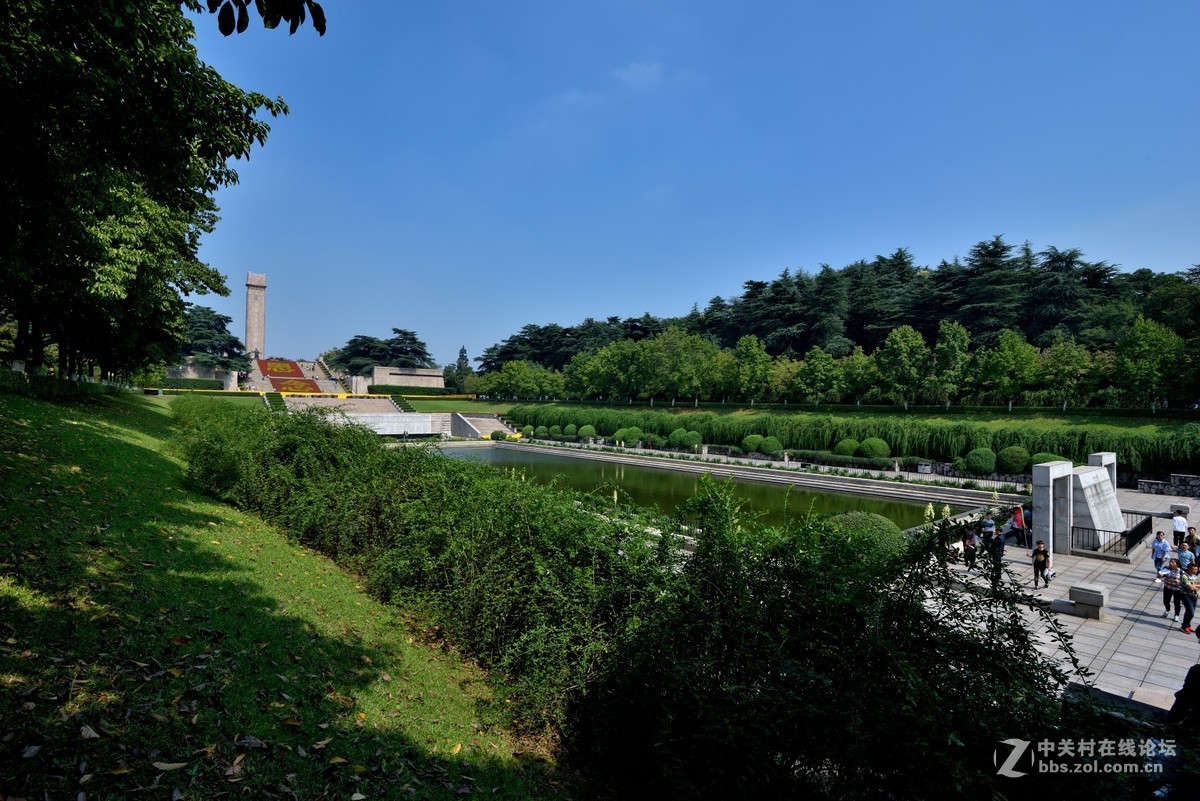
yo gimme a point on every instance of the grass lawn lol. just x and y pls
(435, 404)
(156, 643)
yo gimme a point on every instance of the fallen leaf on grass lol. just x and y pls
(337, 760)
(169, 766)
(32, 751)
(293, 722)
(456, 749)
(317, 746)
(179, 639)
(88, 733)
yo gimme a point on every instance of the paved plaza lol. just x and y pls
(1134, 652)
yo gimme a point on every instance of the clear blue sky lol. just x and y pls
(462, 169)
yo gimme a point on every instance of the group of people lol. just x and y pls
(994, 541)
(1179, 575)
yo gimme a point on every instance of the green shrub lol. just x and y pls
(846, 447)
(655, 440)
(981, 462)
(629, 436)
(750, 444)
(1039, 458)
(587, 431)
(1013, 459)
(692, 439)
(870, 536)
(393, 389)
(874, 448)
(541, 432)
(14, 382)
(675, 440)
(570, 431)
(498, 435)
(769, 446)
(527, 432)
(192, 383)
(556, 432)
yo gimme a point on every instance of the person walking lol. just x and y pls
(1172, 589)
(1191, 593)
(1018, 524)
(1159, 548)
(1185, 556)
(1180, 524)
(970, 543)
(1041, 560)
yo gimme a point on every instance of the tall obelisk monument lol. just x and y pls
(256, 315)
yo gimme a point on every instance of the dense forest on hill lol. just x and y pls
(993, 327)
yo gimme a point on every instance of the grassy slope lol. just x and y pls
(141, 623)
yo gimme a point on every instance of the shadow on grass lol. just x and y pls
(147, 645)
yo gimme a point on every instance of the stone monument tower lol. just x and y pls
(256, 315)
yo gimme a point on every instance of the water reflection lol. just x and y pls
(665, 490)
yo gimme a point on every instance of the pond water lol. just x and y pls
(665, 490)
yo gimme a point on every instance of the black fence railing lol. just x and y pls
(1137, 527)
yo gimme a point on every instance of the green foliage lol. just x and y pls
(869, 537)
(874, 448)
(846, 447)
(498, 436)
(192, 383)
(527, 432)
(750, 443)
(513, 573)
(209, 345)
(770, 446)
(692, 439)
(1139, 448)
(541, 432)
(556, 432)
(397, 389)
(1013, 459)
(980, 462)
(570, 431)
(1041, 458)
(361, 353)
(587, 431)
(675, 440)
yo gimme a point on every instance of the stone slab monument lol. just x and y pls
(1086, 497)
(256, 315)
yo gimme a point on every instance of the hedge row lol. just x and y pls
(192, 383)
(395, 389)
(48, 388)
(1142, 451)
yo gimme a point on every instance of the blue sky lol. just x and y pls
(462, 169)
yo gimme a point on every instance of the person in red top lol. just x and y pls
(1018, 524)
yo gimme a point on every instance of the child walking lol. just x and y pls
(1041, 560)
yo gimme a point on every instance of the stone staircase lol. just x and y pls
(477, 426)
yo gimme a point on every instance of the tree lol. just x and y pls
(819, 377)
(1061, 369)
(782, 381)
(1150, 361)
(753, 366)
(235, 14)
(116, 137)
(454, 376)
(1006, 370)
(362, 352)
(209, 343)
(859, 374)
(950, 360)
(903, 363)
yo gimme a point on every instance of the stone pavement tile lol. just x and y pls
(1127, 671)
(1180, 648)
(1167, 680)
(1120, 685)
(1133, 660)
(1164, 658)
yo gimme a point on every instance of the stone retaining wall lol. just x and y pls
(1179, 484)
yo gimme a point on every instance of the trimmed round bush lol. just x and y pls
(541, 432)
(676, 438)
(1039, 458)
(655, 440)
(874, 448)
(498, 435)
(527, 432)
(1013, 459)
(587, 431)
(846, 447)
(750, 443)
(981, 462)
(692, 439)
(628, 435)
(555, 432)
(569, 430)
(770, 446)
(869, 536)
